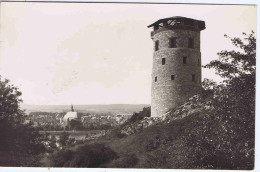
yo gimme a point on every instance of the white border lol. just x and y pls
(209, 2)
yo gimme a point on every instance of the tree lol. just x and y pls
(9, 102)
(235, 64)
(227, 139)
(20, 143)
(64, 138)
(76, 125)
(236, 96)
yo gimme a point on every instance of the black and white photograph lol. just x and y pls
(128, 85)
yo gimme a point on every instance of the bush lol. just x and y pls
(84, 156)
(127, 161)
(62, 158)
(146, 112)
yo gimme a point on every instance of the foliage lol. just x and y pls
(76, 125)
(220, 135)
(85, 156)
(127, 161)
(64, 139)
(9, 102)
(229, 129)
(62, 158)
(137, 116)
(152, 144)
(52, 144)
(146, 112)
(234, 64)
(20, 143)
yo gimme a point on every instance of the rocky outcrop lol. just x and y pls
(139, 125)
(193, 106)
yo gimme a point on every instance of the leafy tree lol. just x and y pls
(64, 138)
(20, 143)
(235, 64)
(9, 102)
(225, 137)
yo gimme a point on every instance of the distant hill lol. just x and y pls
(116, 108)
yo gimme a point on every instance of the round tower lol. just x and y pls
(176, 74)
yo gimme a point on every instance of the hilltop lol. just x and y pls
(189, 136)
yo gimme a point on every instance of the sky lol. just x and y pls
(100, 53)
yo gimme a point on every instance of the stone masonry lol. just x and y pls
(176, 74)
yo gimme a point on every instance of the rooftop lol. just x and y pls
(70, 115)
(177, 21)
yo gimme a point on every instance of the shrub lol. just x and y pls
(127, 161)
(84, 156)
(146, 112)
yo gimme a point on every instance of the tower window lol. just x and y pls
(172, 42)
(157, 45)
(193, 78)
(198, 62)
(155, 79)
(172, 77)
(163, 61)
(184, 59)
(191, 43)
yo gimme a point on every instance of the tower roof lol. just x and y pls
(180, 20)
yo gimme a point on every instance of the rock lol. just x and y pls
(192, 106)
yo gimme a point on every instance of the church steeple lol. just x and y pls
(72, 110)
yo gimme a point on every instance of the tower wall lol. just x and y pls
(168, 93)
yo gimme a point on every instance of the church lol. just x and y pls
(68, 117)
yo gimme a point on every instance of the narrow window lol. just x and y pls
(198, 62)
(163, 61)
(193, 78)
(155, 79)
(191, 43)
(157, 45)
(184, 59)
(172, 77)
(172, 42)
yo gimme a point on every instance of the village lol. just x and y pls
(73, 120)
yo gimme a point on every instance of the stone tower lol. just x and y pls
(176, 74)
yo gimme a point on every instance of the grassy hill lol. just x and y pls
(191, 136)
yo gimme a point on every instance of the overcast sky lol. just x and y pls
(66, 53)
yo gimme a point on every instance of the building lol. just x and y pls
(176, 73)
(68, 117)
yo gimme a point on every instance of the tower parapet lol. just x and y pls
(176, 74)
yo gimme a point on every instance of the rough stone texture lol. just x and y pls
(167, 93)
(139, 125)
(192, 106)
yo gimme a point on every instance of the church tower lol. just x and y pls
(176, 74)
